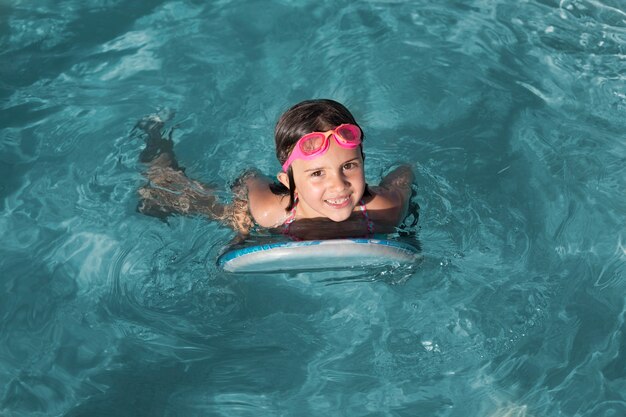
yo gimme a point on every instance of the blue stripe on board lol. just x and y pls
(236, 253)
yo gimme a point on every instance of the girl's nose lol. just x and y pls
(339, 182)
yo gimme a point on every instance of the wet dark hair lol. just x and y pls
(305, 117)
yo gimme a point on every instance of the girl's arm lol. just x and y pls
(392, 196)
(399, 181)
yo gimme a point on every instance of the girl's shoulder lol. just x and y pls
(266, 208)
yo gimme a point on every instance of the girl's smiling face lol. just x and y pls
(330, 185)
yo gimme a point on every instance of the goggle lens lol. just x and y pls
(312, 143)
(348, 133)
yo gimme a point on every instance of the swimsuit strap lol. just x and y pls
(290, 218)
(292, 213)
(370, 223)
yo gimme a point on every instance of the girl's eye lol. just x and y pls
(316, 173)
(350, 165)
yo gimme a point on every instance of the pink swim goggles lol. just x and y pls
(316, 144)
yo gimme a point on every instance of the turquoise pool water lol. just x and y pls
(512, 115)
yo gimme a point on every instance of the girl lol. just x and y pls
(321, 191)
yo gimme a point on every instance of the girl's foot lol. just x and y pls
(159, 148)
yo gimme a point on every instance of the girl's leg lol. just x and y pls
(159, 148)
(169, 190)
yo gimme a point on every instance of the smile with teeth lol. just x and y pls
(338, 202)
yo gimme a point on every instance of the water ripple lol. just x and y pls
(510, 114)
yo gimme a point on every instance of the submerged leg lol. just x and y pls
(159, 148)
(169, 190)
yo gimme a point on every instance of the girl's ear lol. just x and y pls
(283, 178)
